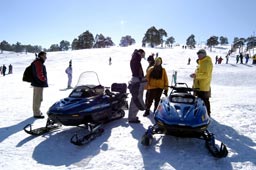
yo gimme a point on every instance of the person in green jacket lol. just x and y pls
(202, 78)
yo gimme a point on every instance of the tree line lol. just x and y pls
(153, 37)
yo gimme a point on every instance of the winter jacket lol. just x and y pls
(157, 83)
(136, 67)
(69, 71)
(204, 74)
(39, 74)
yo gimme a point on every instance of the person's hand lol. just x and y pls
(192, 75)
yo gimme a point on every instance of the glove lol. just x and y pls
(165, 93)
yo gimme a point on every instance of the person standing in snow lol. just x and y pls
(216, 59)
(247, 58)
(39, 81)
(69, 73)
(157, 83)
(220, 60)
(109, 61)
(203, 77)
(241, 56)
(3, 70)
(237, 59)
(151, 62)
(136, 86)
(189, 60)
(10, 69)
(227, 58)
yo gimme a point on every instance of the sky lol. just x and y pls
(48, 22)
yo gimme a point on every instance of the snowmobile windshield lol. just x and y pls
(88, 78)
(88, 85)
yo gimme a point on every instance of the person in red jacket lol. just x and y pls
(39, 81)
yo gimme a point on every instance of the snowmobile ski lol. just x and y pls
(39, 131)
(147, 138)
(50, 126)
(93, 133)
(217, 151)
(214, 149)
(94, 130)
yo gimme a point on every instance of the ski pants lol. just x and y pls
(136, 87)
(37, 99)
(205, 97)
(153, 95)
(69, 80)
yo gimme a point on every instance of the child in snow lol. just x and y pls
(69, 73)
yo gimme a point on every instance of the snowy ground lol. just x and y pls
(233, 116)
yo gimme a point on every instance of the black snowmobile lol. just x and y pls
(184, 115)
(89, 104)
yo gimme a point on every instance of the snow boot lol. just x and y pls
(146, 113)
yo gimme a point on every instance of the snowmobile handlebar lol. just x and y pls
(181, 87)
(184, 85)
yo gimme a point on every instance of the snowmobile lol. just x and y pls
(89, 106)
(182, 114)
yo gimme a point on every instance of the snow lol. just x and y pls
(232, 102)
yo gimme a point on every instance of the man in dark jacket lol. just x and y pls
(39, 82)
(3, 70)
(136, 86)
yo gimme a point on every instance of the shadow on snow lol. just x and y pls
(191, 153)
(57, 150)
(10, 130)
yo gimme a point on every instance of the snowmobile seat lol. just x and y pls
(119, 87)
(117, 90)
(99, 90)
(87, 91)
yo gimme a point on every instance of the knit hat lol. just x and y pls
(151, 58)
(41, 54)
(202, 51)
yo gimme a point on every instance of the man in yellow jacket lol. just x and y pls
(157, 82)
(202, 78)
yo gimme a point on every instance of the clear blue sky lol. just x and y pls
(46, 22)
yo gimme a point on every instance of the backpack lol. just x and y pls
(28, 75)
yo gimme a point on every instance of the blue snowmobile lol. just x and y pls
(183, 114)
(89, 104)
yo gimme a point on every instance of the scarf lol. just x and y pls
(156, 72)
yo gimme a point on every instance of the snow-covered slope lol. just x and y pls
(233, 116)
